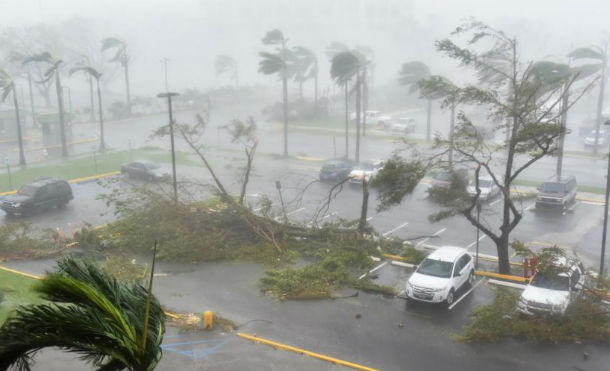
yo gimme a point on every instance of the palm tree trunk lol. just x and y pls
(31, 97)
(365, 100)
(358, 113)
(99, 103)
(346, 122)
(285, 96)
(600, 103)
(127, 86)
(91, 100)
(563, 120)
(451, 135)
(19, 136)
(62, 124)
(429, 120)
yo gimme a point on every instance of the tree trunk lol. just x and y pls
(365, 100)
(365, 205)
(99, 103)
(358, 114)
(285, 97)
(315, 90)
(31, 91)
(91, 99)
(19, 136)
(346, 121)
(301, 90)
(249, 158)
(563, 120)
(428, 120)
(600, 103)
(127, 85)
(451, 135)
(62, 123)
(503, 259)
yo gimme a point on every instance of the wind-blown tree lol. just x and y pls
(17, 58)
(93, 73)
(111, 325)
(600, 56)
(369, 55)
(87, 63)
(410, 75)
(344, 66)
(227, 64)
(122, 58)
(306, 68)
(53, 71)
(281, 63)
(7, 87)
(519, 102)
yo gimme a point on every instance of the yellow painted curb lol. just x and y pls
(96, 176)
(502, 276)
(59, 145)
(394, 257)
(8, 193)
(305, 352)
(314, 159)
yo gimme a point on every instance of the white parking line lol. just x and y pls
(529, 207)
(277, 218)
(373, 270)
(465, 294)
(369, 218)
(395, 229)
(334, 213)
(495, 202)
(427, 238)
(475, 242)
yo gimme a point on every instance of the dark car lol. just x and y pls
(38, 195)
(144, 170)
(335, 170)
(557, 193)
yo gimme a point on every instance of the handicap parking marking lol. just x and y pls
(466, 293)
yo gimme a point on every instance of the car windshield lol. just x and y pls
(27, 190)
(150, 165)
(561, 283)
(436, 268)
(552, 187)
(483, 183)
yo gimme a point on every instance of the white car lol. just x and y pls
(366, 170)
(589, 140)
(488, 188)
(440, 275)
(552, 294)
(403, 125)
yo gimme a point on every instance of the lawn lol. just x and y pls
(86, 166)
(14, 291)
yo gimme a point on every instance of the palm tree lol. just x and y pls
(344, 66)
(7, 86)
(121, 57)
(111, 325)
(224, 64)
(93, 73)
(53, 71)
(600, 56)
(369, 55)
(410, 75)
(18, 58)
(307, 68)
(282, 64)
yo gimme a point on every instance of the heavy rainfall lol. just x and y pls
(304, 185)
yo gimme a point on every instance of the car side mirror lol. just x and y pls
(457, 274)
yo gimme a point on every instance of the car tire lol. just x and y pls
(470, 281)
(450, 298)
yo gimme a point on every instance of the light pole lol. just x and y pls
(476, 262)
(165, 60)
(169, 96)
(601, 260)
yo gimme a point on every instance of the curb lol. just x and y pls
(505, 277)
(310, 159)
(305, 352)
(76, 180)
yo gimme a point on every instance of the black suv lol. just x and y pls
(38, 195)
(335, 170)
(557, 193)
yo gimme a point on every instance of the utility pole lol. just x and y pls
(169, 96)
(165, 60)
(603, 254)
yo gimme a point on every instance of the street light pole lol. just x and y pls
(476, 262)
(165, 60)
(169, 96)
(601, 260)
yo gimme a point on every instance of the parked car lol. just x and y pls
(488, 188)
(145, 170)
(442, 178)
(552, 293)
(337, 170)
(440, 275)
(557, 193)
(366, 170)
(38, 195)
(602, 139)
(403, 125)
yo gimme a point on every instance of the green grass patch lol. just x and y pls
(88, 165)
(15, 290)
(585, 319)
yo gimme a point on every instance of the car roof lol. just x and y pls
(44, 181)
(562, 180)
(336, 161)
(447, 253)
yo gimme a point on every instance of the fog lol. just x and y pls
(191, 33)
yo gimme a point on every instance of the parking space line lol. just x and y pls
(529, 207)
(475, 242)
(427, 238)
(466, 294)
(395, 229)
(369, 218)
(373, 270)
(495, 202)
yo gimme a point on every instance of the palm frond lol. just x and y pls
(87, 69)
(223, 64)
(44, 57)
(273, 37)
(343, 66)
(411, 73)
(270, 63)
(587, 53)
(112, 42)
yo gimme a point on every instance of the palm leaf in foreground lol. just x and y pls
(90, 314)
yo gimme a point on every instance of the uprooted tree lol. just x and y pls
(523, 106)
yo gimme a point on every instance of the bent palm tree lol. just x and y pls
(17, 58)
(53, 71)
(93, 73)
(7, 86)
(344, 66)
(224, 64)
(410, 75)
(121, 57)
(307, 68)
(109, 324)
